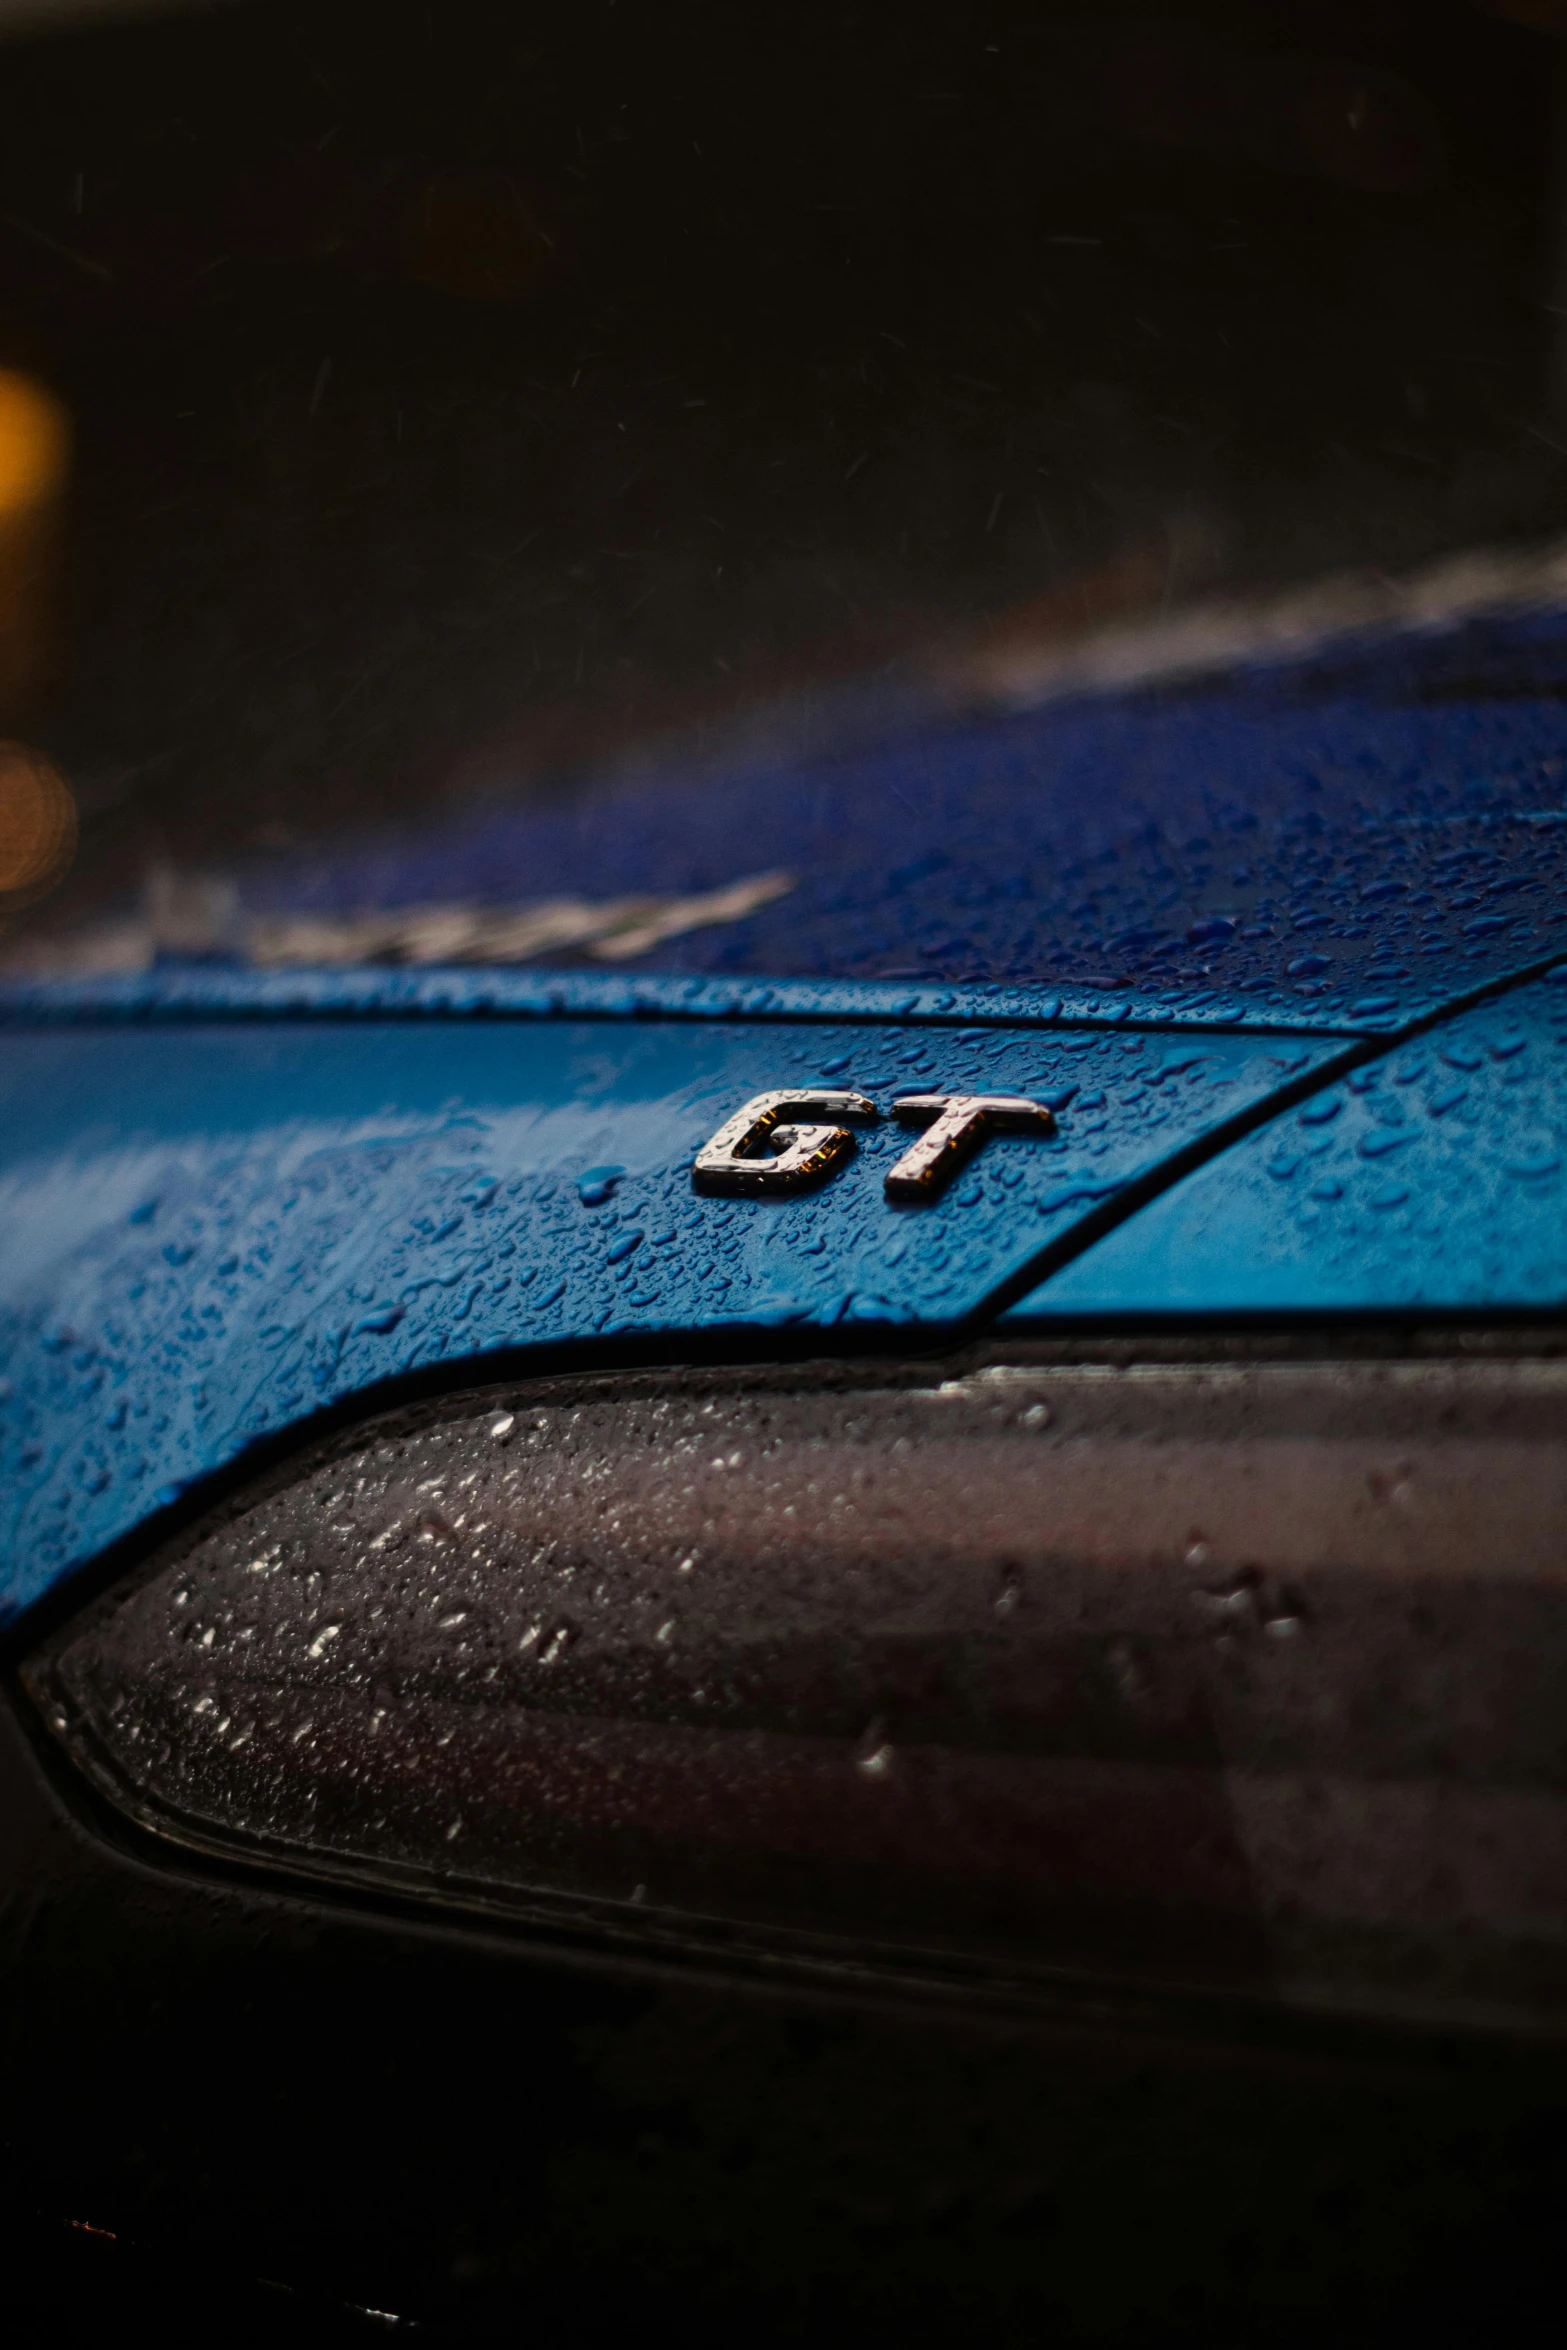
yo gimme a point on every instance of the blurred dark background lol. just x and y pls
(460, 397)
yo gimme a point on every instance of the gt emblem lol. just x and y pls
(756, 1152)
(804, 1154)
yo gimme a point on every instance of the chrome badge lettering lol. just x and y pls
(755, 1151)
(956, 1126)
(761, 1150)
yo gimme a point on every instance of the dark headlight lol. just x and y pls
(1250, 1675)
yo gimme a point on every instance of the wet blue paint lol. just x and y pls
(1439, 1183)
(209, 1231)
(228, 1198)
(1358, 836)
(208, 991)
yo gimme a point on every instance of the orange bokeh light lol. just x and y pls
(35, 444)
(37, 825)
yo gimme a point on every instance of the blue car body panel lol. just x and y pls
(210, 1231)
(1363, 833)
(230, 1199)
(217, 991)
(1430, 1180)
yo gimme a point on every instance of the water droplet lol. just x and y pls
(502, 1426)
(1231, 1604)
(595, 1185)
(379, 1320)
(323, 1640)
(1318, 1113)
(873, 1755)
(1382, 1140)
(1537, 1154)
(1038, 1415)
(1128, 1672)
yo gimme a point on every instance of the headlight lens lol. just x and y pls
(1250, 1675)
